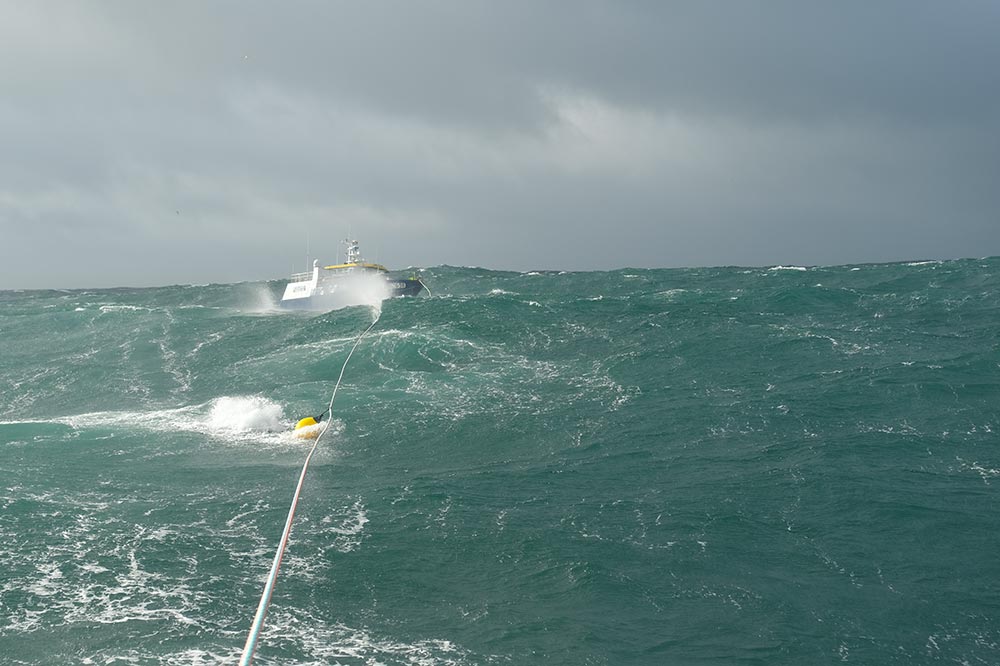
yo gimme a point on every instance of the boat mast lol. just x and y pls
(353, 251)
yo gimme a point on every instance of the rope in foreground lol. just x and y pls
(265, 598)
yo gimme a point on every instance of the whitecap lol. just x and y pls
(245, 413)
(227, 418)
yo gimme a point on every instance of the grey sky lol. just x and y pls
(146, 143)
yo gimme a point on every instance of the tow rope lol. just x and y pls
(265, 598)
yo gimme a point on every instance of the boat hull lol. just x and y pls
(405, 287)
(334, 294)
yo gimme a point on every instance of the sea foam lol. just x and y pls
(243, 413)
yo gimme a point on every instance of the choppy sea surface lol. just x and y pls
(784, 465)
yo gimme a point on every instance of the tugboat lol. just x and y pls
(354, 282)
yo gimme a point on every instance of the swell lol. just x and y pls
(526, 468)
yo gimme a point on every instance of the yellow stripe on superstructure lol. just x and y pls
(378, 267)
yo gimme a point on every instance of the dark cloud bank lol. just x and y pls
(154, 143)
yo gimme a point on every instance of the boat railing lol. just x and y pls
(302, 277)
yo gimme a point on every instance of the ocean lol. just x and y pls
(782, 465)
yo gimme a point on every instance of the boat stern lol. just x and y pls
(301, 288)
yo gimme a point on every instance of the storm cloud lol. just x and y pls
(156, 143)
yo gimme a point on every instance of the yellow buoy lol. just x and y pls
(306, 428)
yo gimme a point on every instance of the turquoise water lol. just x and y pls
(691, 466)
